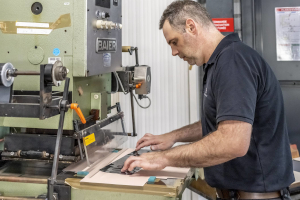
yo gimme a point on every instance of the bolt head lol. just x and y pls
(96, 96)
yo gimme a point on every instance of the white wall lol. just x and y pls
(169, 92)
(174, 91)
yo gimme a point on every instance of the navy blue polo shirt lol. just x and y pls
(239, 85)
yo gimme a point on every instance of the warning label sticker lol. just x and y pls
(89, 139)
(224, 24)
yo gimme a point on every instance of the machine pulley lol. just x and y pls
(53, 73)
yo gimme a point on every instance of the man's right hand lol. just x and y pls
(157, 142)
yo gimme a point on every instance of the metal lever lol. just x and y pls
(130, 50)
(75, 106)
(63, 110)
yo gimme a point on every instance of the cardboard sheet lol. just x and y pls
(139, 179)
(168, 172)
(116, 179)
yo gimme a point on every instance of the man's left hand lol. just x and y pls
(147, 161)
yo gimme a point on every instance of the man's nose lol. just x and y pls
(174, 52)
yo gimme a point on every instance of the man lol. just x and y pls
(241, 141)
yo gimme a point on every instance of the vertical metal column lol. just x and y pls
(132, 113)
(122, 119)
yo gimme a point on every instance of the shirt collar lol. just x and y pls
(233, 37)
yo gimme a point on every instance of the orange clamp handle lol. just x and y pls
(138, 85)
(75, 106)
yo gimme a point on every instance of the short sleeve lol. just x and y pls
(235, 87)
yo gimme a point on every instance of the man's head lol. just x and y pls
(187, 26)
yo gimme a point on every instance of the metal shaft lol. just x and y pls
(26, 73)
(56, 156)
(137, 56)
(122, 122)
(132, 112)
(58, 144)
(57, 147)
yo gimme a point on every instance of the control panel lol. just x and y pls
(104, 36)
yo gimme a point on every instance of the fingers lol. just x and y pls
(145, 144)
(141, 141)
(128, 162)
(155, 147)
(134, 165)
(145, 137)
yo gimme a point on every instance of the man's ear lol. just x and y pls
(190, 26)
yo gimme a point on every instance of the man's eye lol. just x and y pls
(174, 43)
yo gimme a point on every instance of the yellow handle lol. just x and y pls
(126, 48)
(75, 106)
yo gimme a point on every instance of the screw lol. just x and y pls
(11, 153)
(60, 156)
(96, 96)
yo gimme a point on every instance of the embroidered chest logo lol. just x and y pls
(205, 93)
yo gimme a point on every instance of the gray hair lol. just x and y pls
(179, 11)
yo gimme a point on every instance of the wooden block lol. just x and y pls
(294, 151)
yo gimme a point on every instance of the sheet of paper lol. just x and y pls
(297, 159)
(288, 33)
(297, 176)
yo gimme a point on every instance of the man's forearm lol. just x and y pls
(218, 147)
(189, 133)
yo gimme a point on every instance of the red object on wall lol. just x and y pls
(224, 24)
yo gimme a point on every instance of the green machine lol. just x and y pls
(60, 61)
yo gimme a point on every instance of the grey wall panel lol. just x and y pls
(247, 22)
(220, 9)
(284, 70)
